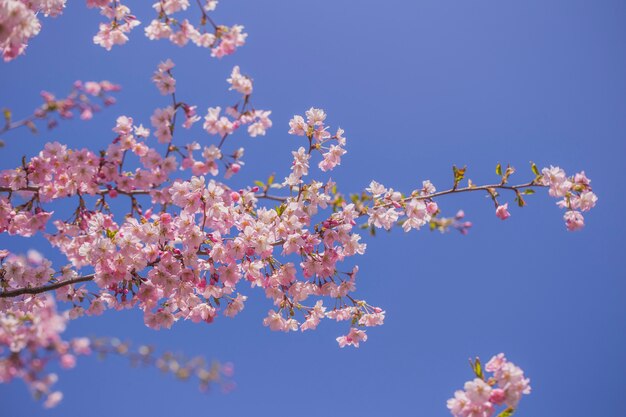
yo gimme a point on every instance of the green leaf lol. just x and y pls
(529, 191)
(280, 209)
(459, 174)
(7, 116)
(270, 180)
(259, 183)
(535, 169)
(499, 169)
(506, 413)
(477, 368)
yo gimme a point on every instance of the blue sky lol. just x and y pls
(418, 86)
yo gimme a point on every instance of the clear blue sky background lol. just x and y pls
(418, 86)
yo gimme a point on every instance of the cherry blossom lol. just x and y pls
(19, 23)
(482, 395)
(503, 211)
(189, 244)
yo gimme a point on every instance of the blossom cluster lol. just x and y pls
(30, 337)
(575, 192)
(186, 255)
(258, 121)
(320, 139)
(188, 246)
(222, 40)
(236, 116)
(78, 100)
(121, 22)
(19, 23)
(390, 205)
(178, 265)
(482, 395)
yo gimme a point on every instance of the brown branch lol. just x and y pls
(205, 16)
(488, 188)
(102, 191)
(39, 290)
(14, 125)
(476, 188)
(271, 197)
(433, 195)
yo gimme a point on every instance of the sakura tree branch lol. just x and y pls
(102, 191)
(14, 125)
(45, 288)
(205, 16)
(79, 99)
(489, 188)
(271, 197)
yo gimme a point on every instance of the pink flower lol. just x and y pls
(374, 319)
(587, 200)
(354, 337)
(479, 397)
(458, 404)
(495, 363)
(68, 361)
(53, 399)
(19, 24)
(235, 306)
(497, 396)
(240, 83)
(163, 79)
(502, 212)
(432, 208)
(478, 391)
(574, 220)
(297, 126)
(275, 321)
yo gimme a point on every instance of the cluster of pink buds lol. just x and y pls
(77, 100)
(482, 395)
(80, 100)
